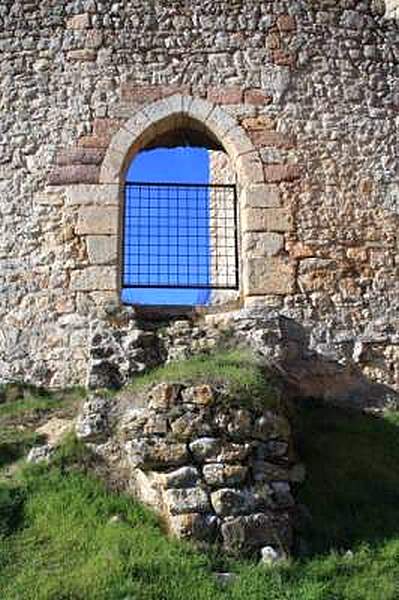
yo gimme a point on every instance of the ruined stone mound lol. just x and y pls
(216, 470)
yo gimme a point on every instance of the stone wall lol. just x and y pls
(314, 87)
(217, 472)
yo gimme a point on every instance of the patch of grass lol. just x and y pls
(243, 380)
(67, 547)
(57, 540)
(40, 400)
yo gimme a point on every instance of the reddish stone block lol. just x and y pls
(279, 173)
(225, 95)
(283, 58)
(93, 141)
(286, 23)
(106, 127)
(141, 94)
(80, 156)
(272, 138)
(257, 97)
(64, 175)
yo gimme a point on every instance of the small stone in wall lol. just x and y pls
(200, 395)
(186, 500)
(164, 395)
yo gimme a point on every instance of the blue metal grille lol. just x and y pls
(180, 236)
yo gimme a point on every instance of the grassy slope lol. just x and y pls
(58, 542)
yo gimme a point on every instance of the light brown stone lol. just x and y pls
(261, 245)
(102, 250)
(92, 194)
(97, 220)
(94, 278)
(258, 219)
(259, 123)
(270, 276)
(261, 195)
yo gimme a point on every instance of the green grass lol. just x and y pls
(31, 400)
(242, 378)
(57, 541)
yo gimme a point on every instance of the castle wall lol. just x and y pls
(315, 86)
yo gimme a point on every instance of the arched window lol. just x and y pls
(180, 243)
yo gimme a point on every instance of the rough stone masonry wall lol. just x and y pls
(315, 85)
(217, 471)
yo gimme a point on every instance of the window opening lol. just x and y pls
(180, 231)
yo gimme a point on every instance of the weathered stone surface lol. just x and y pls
(97, 221)
(272, 275)
(270, 425)
(195, 526)
(164, 395)
(155, 453)
(92, 424)
(201, 395)
(204, 449)
(236, 423)
(263, 245)
(102, 250)
(221, 475)
(185, 477)
(186, 500)
(231, 502)
(246, 533)
(278, 219)
(262, 195)
(191, 425)
(92, 194)
(93, 278)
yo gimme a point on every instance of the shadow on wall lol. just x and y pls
(351, 492)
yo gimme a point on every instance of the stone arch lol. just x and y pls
(154, 119)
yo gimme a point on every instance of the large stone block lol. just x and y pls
(94, 278)
(269, 276)
(92, 194)
(258, 219)
(63, 175)
(261, 195)
(284, 172)
(186, 500)
(262, 245)
(102, 250)
(97, 221)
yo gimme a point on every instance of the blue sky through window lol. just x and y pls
(172, 165)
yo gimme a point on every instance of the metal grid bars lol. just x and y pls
(180, 236)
